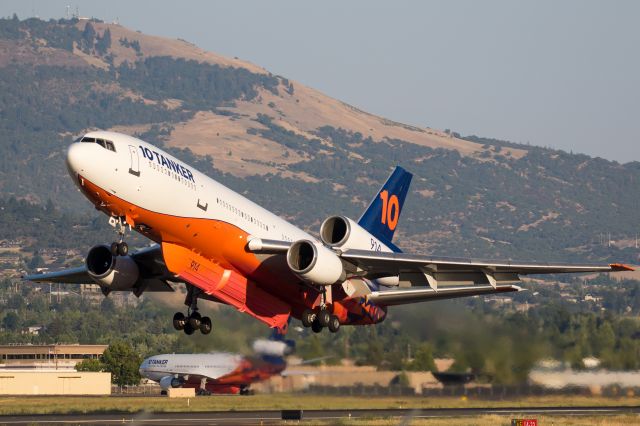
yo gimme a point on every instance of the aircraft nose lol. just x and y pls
(76, 158)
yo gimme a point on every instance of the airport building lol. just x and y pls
(50, 370)
(56, 357)
(54, 382)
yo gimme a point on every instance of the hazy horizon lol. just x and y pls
(556, 74)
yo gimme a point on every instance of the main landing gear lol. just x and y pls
(319, 319)
(119, 248)
(193, 320)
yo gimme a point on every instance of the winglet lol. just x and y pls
(619, 267)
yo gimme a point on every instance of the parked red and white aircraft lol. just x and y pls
(227, 249)
(218, 372)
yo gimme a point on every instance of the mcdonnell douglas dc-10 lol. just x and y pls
(227, 249)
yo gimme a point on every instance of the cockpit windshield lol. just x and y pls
(106, 144)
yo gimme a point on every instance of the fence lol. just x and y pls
(491, 392)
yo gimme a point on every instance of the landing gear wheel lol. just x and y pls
(123, 249)
(334, 324)
(188, 330)
(324, 317)
(179, 321)
(307, 317)
(316, 326)
(194, 320)
(114, 248)
(205, 325)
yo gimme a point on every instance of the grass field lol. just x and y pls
(132, 404)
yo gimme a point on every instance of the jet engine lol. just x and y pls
(279, 348)
(171, 382)
(315, 263)
(342, 232)
(111, 272)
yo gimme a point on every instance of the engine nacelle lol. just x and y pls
(315, 263)
(277, 348)
(342, 232)
(111, 272)
(171, 382)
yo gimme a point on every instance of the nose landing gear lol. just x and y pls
(119, 248)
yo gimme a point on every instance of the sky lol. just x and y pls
(560, 74)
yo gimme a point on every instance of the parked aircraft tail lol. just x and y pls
(381, 218)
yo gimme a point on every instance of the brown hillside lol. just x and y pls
(303, 111)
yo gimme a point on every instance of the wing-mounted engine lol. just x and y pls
(111, 272)
(171, 382)
(344, 233)
(315, 263)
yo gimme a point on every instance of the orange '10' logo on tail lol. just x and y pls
(390, 209)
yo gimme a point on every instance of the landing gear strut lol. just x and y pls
(320, 318)
(193, 320)
(119, 248)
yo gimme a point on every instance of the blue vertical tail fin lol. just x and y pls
(382, 216)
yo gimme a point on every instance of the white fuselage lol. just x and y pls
(212, 366)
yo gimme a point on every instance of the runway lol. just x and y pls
(275, 416)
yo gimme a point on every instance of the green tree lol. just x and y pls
(35, 262)
(122, 362)
(104, 42)
(423, 360)
(11, 321)
(107, 305)
(88, 36)
(90, 364)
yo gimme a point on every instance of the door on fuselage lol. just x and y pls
(134, 169)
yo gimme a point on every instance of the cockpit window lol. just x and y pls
(102, 142)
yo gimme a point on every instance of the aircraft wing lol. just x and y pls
(149, 260)
(424, 278)
(395, 263)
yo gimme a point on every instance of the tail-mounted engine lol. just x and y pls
(278, 348)
(315, 263)
(111, 272)
(342, 232)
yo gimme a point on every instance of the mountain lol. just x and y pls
(294, 150)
